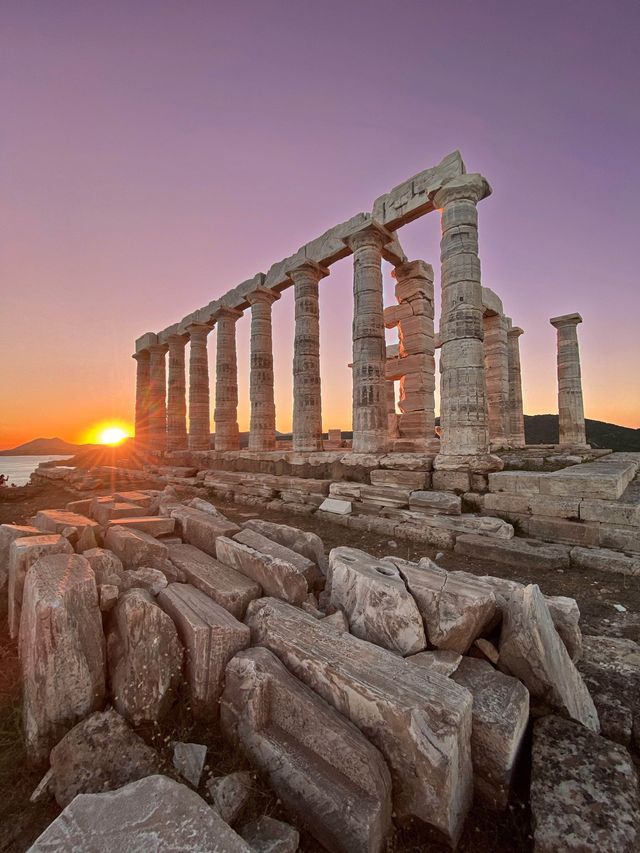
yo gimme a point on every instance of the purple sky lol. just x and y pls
(155, 154)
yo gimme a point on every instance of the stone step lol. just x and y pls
(525, 553)
(154, 525)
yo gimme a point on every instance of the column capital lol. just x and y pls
(199, 330)
(177, 339)
(515, 332)
(227, 312)
(262, 295)
(473, 187)
(158, 349)
(308, 268)
(371, 234)
(566, 320)
(413, 269)
(141, 354)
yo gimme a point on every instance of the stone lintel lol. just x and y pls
(491, 302)
(413, 269)
(394, 253)
(262, 294)
(369, 228)
(566, 320)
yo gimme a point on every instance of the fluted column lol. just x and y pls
(143, 367)
(176, 394)
(307, 397)
(516, 414)
(370, 422)
(262, 429)
(225, 413)
(496, 362)
(570, 403)
(158, 397)
(463, 399)
(199, 416)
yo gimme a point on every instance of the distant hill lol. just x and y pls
(45, 447)
(543, 429)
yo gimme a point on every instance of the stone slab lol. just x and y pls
(259, 542)
(202, 529)
(55, 521)
(605, 560)
(336, 506)
(308, 544)
(135, 548)
(435, 503)
(276, 577)
(154, 525)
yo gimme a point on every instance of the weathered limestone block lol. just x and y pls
(383, 496)
(106, 566)
(62, 650)
(310, 545)
(419, 720)
(620, 538)
(404, 479)
(211, 637)
(231, 793)
(267, 546)
(135, 496)
(154, 813)
(455, 611)
(319, 764)
(227, 587)
(562, 530)
(82, 507)
(526, 553)
(451, 481)
(584, 791)
(99, 754)
(515, 482)
(531, 650)
(556, 507)
(23, 553)
(267, 835)
(105, 512)
(435, 503)
(500, 717)
(9, 532)
(154, 525)
(604, 479)
(445, 662)
(202, 529)
(136, 549)
(55, 521)
(204, 506)
(625, 511)
(151, 580)
(144, 657)
(279, 578)
(373, 597)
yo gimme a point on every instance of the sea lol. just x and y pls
(20, 468)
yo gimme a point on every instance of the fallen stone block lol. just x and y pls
(9, 532)
(62, 650)
(136, 549)
(419, 720)
(500, 716)
(584, 791)
(55, 521)
(188, 759)
(435, 503)
(206, 506)
(108, 595)
(335, 506)
(605, 560)
(276, 577)
(144, 658)
(531, 650)
(106, 566)
(81, 507)
(154, 813)
(23, 553)
(267, 835)
(309, 545)
(202, 529)
(485, 650)
(134, 496)
(105, 513)
(227, 587)
(151, 580)
(455, 610)
(325, 771)
(336, 621)
(99, 754)
(528, 554)
(154, 525)
(261, 543)
(445, 662)
(230, 794)
(211, 637)
(373, 597)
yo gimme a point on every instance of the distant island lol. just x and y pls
(46, 447)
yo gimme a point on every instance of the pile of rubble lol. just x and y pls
(367, 692)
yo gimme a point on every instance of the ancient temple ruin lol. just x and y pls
(480, 382)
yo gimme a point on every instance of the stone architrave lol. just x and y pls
(144, 657)
(154, 813)
(143, 380)
(570, 403)
(370, 421)
(62, 650)
(496, 362)
(262, 427)
(319, 764)
(225, 414)
(307, 397)
(516, 414)
(176, 395)
(157, 418)
(463, 398)
(199, 423)
(418, 719)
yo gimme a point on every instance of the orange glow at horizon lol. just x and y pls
(109, 433)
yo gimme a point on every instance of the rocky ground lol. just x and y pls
(609, 604)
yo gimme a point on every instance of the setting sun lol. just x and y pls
(112, 435)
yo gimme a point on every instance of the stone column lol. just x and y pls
(158, 397)
(262, 429)
(307, 397)
(176, 394)
(463, 399)
(225, 413)
(199, 416)
(516, 414)
(496, 363)
(143, 366)
(370, 422)
(570, 404)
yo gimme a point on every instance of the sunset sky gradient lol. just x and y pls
(155, 154)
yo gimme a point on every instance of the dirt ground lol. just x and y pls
(510, 832)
